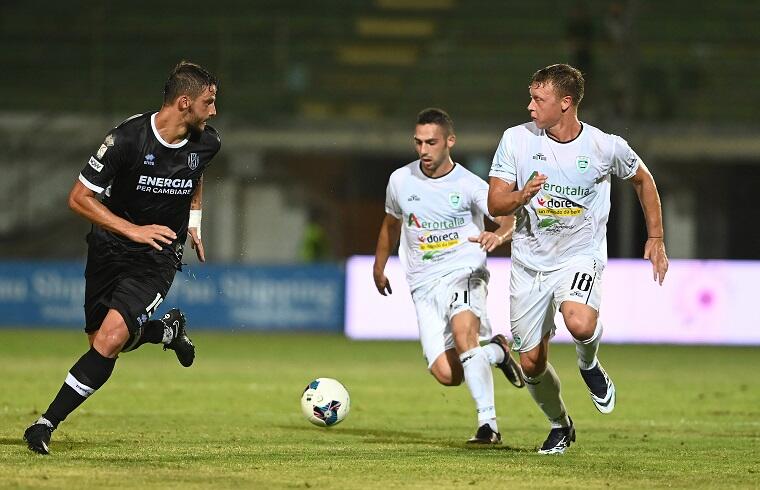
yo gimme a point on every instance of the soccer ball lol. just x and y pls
(325, 402)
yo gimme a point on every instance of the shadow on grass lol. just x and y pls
(60, 446)
(376, 436)
(12, 441)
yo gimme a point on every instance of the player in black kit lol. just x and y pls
(149, 170)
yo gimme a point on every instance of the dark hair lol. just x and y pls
(187, 79)
(565, 79)
(433, 115)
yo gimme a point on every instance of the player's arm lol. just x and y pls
(504, 198)
(654, 250)
(390, 231)
(83, 202)
(194, 221)
(490, 240)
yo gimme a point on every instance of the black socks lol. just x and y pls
(89, 373)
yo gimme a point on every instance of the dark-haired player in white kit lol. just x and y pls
(554, 173)
(436, 207)
(149, 171)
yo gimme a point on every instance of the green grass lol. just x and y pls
(687, 417)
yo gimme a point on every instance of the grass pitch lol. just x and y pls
(686, 417)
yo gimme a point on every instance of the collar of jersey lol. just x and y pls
(564, 142)
(419, 167)
(158, 136)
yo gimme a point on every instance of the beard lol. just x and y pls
(195, 125)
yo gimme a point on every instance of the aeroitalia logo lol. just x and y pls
(416, 222)
(566, 190)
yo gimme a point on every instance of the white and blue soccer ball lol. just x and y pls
(325, 402)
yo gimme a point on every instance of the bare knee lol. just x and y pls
(111, 336)
(447, 379)
(447, 369)
(580, 321)
(532, 367)
(533, 362)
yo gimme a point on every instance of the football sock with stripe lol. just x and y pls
(88, 374)
(545, 390)
(587, 349)
(479, 380)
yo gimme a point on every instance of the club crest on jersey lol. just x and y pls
(455, 199)
(193, 161)
(581, 163)
(150, 159)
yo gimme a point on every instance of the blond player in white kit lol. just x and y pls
(437, 208)
(554, 174)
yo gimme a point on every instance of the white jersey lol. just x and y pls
(568, 216)
(437, 216)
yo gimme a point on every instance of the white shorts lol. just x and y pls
(535, 297)
(437, 302)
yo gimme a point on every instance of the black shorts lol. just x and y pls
(131, 286)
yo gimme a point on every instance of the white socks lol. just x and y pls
(587, 349)
(479, 380)
(494, 353)
(545, 391)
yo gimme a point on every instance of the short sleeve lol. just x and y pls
(504, 166)
(391, 200)
(479, 191)
(104, 164)
(624, 161)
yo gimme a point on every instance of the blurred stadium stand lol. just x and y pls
(317, 102)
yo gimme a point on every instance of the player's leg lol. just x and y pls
(532, 318)
(545, 388)
(437, 343)
(446, 369)
(116, 302)
(580, 297)
(477, 375)
(85, 377)
(498, 352)
(170, 331)
(468, 321)
(151, 285)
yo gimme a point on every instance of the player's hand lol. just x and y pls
(488, 241)
(654, 251)
(196, 243)
(532, 187)
(153, 235)
(382, 283)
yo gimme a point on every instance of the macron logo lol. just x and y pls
(95, 164)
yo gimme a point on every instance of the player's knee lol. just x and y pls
(580, 326)
(111, 338)
(448, 379)
(447, 376)
(580, 329)
(532, 367)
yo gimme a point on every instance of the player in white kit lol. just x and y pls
(554, 174)
(437, 208)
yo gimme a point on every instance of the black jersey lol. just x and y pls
(146, 180)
